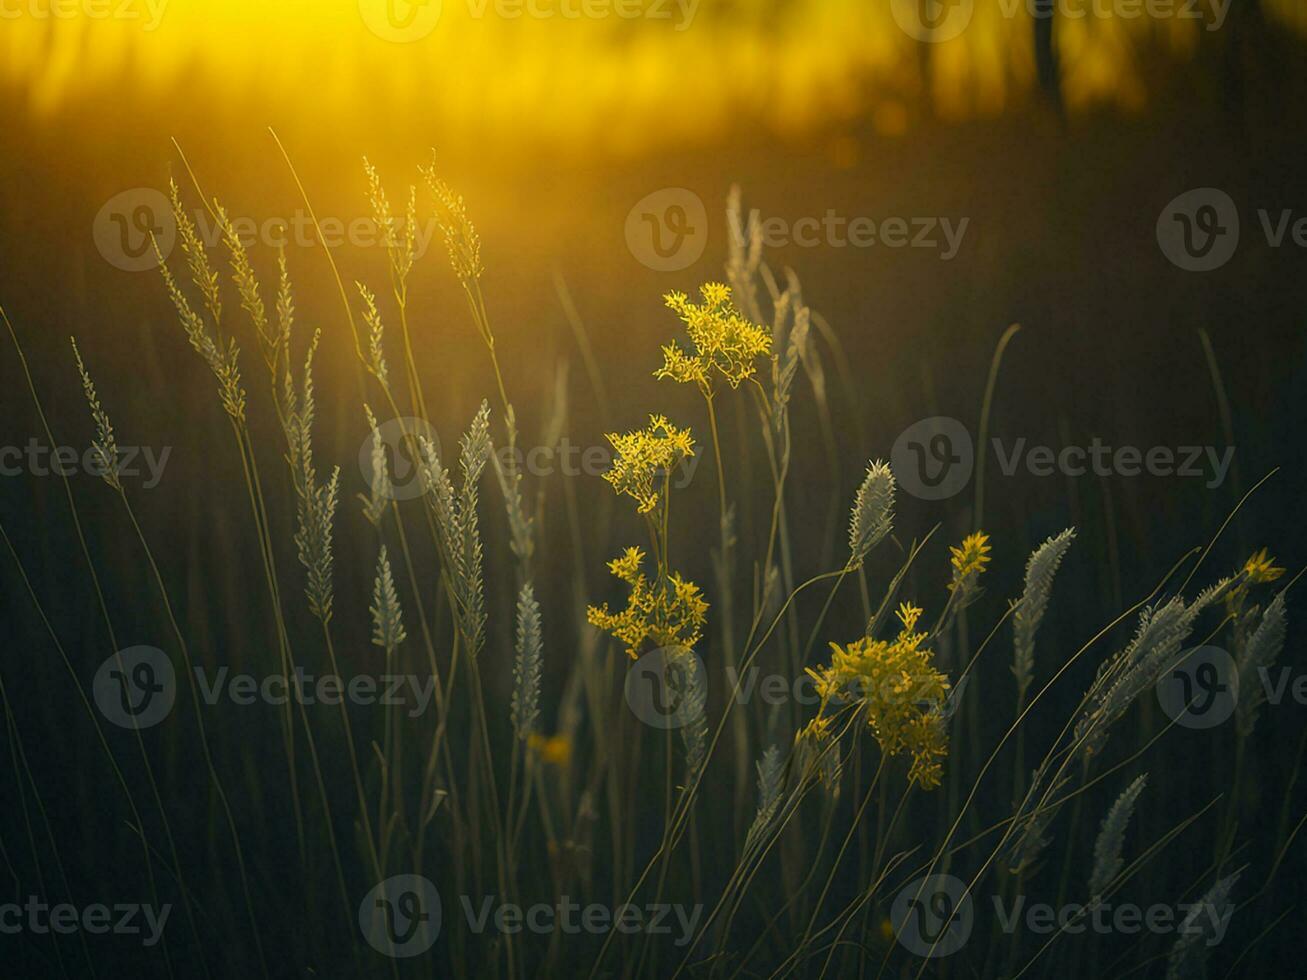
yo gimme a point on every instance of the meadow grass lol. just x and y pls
(788, 833)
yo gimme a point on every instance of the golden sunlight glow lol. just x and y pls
(620, 75)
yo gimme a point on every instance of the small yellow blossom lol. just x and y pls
(897, 689)
(1261, 567)
(553, 750)
(668, 613)
(645, 457)
(971, 558)
(725, 343)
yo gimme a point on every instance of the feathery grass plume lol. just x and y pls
(670, 612)
(400, 237)
(693, 712)
(1260, 653)
(457, 524)
(1032, 819)
(645, 457)
(380, 490)
(897, 689)
(203, 275)
(1040, 570)
(247, 287)
(104, 447)
(1188, 957)
(1111, 839)
(1162, 631)
(509, 474)
(725, 343)
(817, 755)
(461, 238)
(786, 369)
(744, 253)
(221, 357)
(528, 665)
(387, 617)
(771, 779)
(285, 315)
(376, 362)
(558, 406)
(317, 502)
(872, 516)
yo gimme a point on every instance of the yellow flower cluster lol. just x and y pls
(969, 560)
(647, 455)
(668, 613)
(725, 343)
(897, 689)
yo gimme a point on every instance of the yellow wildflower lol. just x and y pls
(970, 559)
(668, 613)
(553, 750)
(725, 343)
(645, 456)
(1261, 567)
(898, 690)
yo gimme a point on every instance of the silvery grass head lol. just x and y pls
(873, 512)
